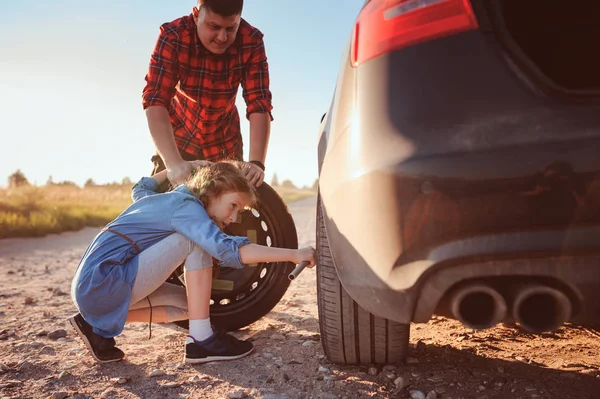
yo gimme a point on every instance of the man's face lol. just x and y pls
(215, 31)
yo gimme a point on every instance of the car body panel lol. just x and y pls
(443, 153)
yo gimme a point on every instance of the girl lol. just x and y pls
(122, 274)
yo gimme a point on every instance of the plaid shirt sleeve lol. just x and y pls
(255, 83)
(162, 76)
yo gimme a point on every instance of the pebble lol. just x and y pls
(156, 373)
(47, 350)
(62, 375)
(390, 376)
(417, 394)
(330, 378)
(373, 371)
(62, 340)
(278, 337)
(399, 382)
(74, 351)
(309, 343)
(69, 366)
(294, 336)
(42, 333)
(56, 334)
(35, 344)
(239, 394)
(431, 395)
(389, 367)
(59, 395)
(118, 380)
(265, 378)
(268, 355)
(197, 378)
(171, 385)
(323, 369)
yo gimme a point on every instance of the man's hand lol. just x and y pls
(253, 173)
(179, 172)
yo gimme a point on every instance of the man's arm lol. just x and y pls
(161, 131)
(161, 80)
(257, 96)
(260, 130)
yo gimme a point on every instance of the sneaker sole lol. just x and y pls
(216, 358)
(87, 343)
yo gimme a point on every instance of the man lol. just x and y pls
(195, 71)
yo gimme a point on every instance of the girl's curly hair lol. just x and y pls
(218, 178)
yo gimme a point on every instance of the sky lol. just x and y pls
(72, 74)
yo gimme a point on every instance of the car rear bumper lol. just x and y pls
(403, 230)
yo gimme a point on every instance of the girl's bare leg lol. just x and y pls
(198, 285)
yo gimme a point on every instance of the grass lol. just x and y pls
(37, 211)
(292, 194)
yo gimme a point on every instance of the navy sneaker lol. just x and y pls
(102, 349)
(219, 347)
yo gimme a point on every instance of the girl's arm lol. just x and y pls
(254, 253)
(160, 177)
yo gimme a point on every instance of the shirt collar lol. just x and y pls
(185, 190)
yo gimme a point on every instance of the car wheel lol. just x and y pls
(242, 296)
(349, 333)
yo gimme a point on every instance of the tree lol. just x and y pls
(126, 181)
(89, 183)
(17, 179)
(288, 184)
(315, 185)
(274, 180)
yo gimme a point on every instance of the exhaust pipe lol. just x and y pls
(478, 306)
(538, 308)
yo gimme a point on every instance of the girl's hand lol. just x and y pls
(306, 254)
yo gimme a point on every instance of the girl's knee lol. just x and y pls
(198, 259)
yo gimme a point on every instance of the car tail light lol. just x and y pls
(387, 25)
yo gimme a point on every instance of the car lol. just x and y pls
(459, 173)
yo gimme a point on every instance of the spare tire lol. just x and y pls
(242, 296)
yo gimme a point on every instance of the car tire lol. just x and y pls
(258, 288)
(349, 333)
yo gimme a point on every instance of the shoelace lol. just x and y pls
(150, 322)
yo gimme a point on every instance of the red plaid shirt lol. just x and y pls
(199, 88)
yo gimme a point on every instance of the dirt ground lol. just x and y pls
(41, 357)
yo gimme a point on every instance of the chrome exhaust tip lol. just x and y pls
(538, 308)
(478, 306)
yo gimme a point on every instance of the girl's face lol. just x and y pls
(224, 209)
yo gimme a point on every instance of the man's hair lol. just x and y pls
(225, 8)
(218, 178)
